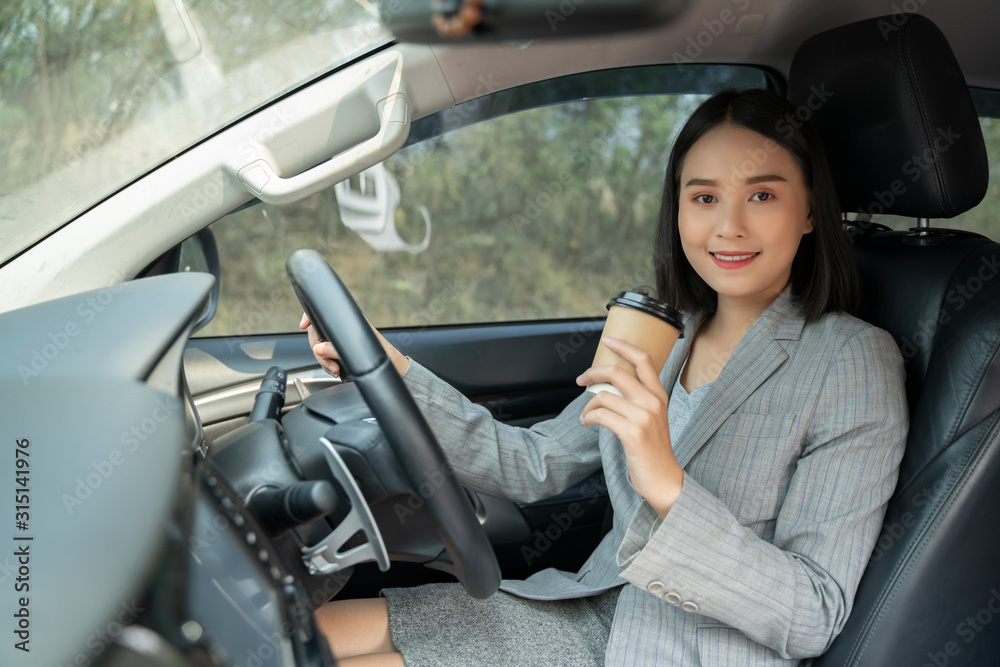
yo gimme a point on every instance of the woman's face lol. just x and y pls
(742, 196)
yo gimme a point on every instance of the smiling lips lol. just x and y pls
(733, 260)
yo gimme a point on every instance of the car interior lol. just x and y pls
(295, 488)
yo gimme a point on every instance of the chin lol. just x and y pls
(742, 288)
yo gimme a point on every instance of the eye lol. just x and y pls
(704, 199)
(762, 196)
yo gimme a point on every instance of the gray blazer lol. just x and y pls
(789, 462)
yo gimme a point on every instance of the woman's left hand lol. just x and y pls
(640, 422)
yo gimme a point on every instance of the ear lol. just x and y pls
(810, 226)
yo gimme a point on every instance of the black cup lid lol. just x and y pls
(651, 306)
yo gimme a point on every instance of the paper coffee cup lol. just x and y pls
(647, 323)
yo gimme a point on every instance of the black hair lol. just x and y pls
(824, 277)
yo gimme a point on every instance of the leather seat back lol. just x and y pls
(903, 138)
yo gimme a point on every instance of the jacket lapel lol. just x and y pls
(756, 357)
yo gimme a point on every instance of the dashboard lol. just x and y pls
(242, 606)
(137, 549)
(150, 548)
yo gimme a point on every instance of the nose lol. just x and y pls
(731, 222)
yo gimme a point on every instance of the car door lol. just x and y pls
(486, 249)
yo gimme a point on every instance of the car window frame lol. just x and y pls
(624, 82)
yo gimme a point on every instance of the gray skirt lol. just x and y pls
(440, 625)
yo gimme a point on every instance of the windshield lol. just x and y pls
(95, 93)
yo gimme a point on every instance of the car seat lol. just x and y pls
(902, 137)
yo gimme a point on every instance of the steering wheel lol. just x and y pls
(338, 319)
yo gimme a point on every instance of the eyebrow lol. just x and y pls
(753, 180)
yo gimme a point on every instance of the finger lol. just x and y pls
(314, 337)
(622, 380)
(632, 412)
(311, 336)
(648, 375)
(329, 365)
(304, 322)
(325, 349)
(612, 421)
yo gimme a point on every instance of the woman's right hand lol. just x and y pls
(329, 358)
(324, 351)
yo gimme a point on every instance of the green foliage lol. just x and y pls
(75, 73)
(71, 75)
(541, 214)
(546, 213)
(237, 29)
(94, 93)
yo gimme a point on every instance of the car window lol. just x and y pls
(94, 94)
(985, 218)
(533, 203)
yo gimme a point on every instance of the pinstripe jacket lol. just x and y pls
(788, 461)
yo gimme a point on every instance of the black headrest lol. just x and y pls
(896, 117)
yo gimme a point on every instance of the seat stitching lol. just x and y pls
(952, 431)
(890, 589)
(913, 88)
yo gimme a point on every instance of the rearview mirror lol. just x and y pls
(430, 21)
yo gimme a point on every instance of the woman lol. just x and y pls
(747, 497)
